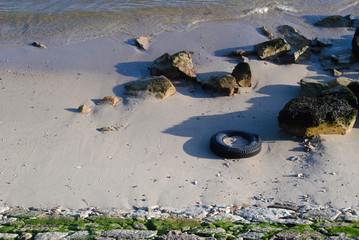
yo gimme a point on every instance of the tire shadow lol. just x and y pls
(260, 118)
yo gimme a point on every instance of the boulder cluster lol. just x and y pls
(179, 66)
(325, 108)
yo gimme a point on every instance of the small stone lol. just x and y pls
(84, 109)
(336, 73)
(243, 75)
(108, 129)
(143, 42)
(251, 235)
(39, 45)
(226, 84)
(110, 100)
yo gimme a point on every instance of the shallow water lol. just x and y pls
(70, 21)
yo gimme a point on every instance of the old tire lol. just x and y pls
(252, 147)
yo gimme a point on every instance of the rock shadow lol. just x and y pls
(259, 118)
(134, 69)
(74, 110)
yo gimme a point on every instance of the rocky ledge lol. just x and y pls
(278, 221)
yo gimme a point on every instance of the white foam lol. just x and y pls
(285, 8)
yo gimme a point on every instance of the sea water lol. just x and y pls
(70, 21)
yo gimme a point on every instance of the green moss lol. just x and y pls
(162, 225)
(224, 224)
(352, 231)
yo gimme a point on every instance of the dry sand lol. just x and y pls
(51, 155)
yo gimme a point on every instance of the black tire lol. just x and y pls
(221, 149)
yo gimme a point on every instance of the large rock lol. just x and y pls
(310, 116)
(242, 73)
(226, 84)
(178, 65)
(355, 44)
(311, 88)
(336, 21)
(272, 49)
(344, 81)
(160, 86)
(301, 55)
(354, 87)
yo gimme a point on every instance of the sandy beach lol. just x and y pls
(51, 155)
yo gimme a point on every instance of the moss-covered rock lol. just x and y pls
(160, 86)
(242, 73)
(354, 87)
(178, 65)
(311, 88)
(272, 49)
(310, 116)
(336, 21)
(226, 84)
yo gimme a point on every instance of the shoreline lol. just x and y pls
(51, 155)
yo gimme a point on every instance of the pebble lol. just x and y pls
(132, 234)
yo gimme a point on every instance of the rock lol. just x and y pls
(272, 49)
(84, 109)
(267, 33)
(327, 214)
(39, 45)
(336, 73)
(23, 213)
(51, 235)
(3, 209)
(208, 231)
(354, 87)
(143, 42)
(298, 56)
(251, 235)
(311, 88)
(336, 21)
(110, 100)
(225, 217)
(340, 81)
(111, 128)
(355, 44)
(133, 234)
(78, 235)
(139, 225)
(192, 211)
(321, 43)
(294, 221)
(296, 235)
(142, 214)
(311, 116)
(263, 214)
(293, 37)
(160, 86)
(242, 73)
(8, 235)
(178, 65)
(288, 206)
(226, 84)
(342, 92)
(177, 235)
(25, 236)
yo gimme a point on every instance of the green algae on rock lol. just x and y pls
(272, 49)
(336, 21)
(242, 73)
(226, 84)
(311, 88)
(178, 65)
(160, 86)
(311, 116)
